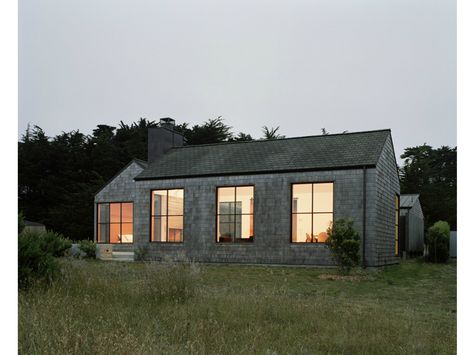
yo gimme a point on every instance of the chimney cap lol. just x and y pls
(167, 121)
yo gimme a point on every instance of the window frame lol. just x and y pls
(167, 215)
(216, 239)
(333, 182)
(397, 225)
(109, 223)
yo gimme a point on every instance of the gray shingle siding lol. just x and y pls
(414, 223)
(387, 185)
(271, 217)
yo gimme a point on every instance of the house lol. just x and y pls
(412, 225)
(266, 201)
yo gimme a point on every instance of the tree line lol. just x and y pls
(59, 176)
(432, 172)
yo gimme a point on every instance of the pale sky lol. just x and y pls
(302, 65)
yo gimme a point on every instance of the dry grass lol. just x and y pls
(120, 308)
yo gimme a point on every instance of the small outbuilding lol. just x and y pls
(412, 225)
(34, 226)
(453, 248)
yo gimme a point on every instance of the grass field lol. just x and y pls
(135, 308)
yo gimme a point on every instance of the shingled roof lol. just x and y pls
(265, 156)
(408, 201)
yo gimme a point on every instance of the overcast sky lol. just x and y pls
(301, 65)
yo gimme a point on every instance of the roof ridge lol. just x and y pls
(282, 139)
(144, 162)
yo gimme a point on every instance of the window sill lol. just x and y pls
(234, 243)
(157, 242)
(104, 243)
(304, 243)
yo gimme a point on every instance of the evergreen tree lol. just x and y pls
(212, 131)
(242, 137)
(271, 133)
(432, 173)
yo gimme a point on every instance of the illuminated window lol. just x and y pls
(167, 211)
(311, 212)
(115, 222)
(397, 219)
(235, 214)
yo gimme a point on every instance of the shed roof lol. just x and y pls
(33, 224)
(407, 201)
(345, 150)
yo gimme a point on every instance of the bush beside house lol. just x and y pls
(437, 242)
(54, 243)
(343, 241)
(88, 247)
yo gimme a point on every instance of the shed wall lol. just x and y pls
(453, 244)
(415, 228)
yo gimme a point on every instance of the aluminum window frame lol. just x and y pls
(233, 242)
(397, 224)
(167, 215)
(312, 183)
(98, 204)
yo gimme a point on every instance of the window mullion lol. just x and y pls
(109, 224)
(235, 214)
(167, 209)
(98, 223)
(120, 226)
(312, 211)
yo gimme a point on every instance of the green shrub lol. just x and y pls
(54, 243)
(437, 241)
(344, 241)
(88, 247)
(141, 253)
(35, 261)
(21, 222)
(37, 253)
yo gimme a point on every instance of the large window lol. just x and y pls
(397, 220)
(311, 212)
(115, 222)
(167, 211)
(235, 214)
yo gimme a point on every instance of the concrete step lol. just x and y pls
(123, 256)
